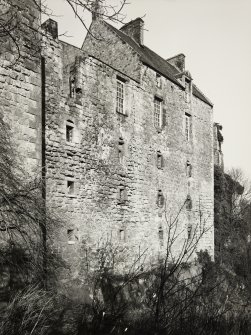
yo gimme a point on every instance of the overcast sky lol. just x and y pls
(215, 36)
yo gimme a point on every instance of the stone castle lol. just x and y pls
(125, 138)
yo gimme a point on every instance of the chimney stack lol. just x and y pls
(135, 29)
(96, 10)
(51, 27)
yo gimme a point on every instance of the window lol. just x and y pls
(160, 160)
(70, 187)
(189, 231)
(188, 169)
(160, 199)
(157, 112)
(187, 90)
(189, 204)
(71, 236)
(72, 82)
(121, 150)
(120, 97)
(69, 131)
(122, 235)
(122, 196)
(158, 80)
(188, 126)
(161, 236)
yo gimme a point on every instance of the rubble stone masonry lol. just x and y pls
(111, 177)
(20, 78)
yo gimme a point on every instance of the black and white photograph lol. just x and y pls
(125, 167)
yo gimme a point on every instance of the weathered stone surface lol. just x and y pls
(102, 174)
(20, 92)
(94, 212)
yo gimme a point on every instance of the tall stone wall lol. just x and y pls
(85, 175)
(20, 78)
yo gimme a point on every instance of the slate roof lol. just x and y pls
(157, 63)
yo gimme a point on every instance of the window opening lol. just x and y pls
(120, 97)
(188, 126)
(122, 235)
(70, 187)
(158, 80)
(122, 194)
(188, 90)
(160, 199)
(189, 232)
(160, 160)
(157, 112)
(72, 86)
(161, 236)
(189, 203)
(69, 133)
(189, 169)
(71, 236)
(121, 149)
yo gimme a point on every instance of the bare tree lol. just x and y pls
(14, 24)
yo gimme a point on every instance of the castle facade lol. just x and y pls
(124, 139)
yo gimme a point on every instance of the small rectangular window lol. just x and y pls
(157, 113)
(122, 235)
(158, 80)
(71, 236)
(161, 237)
(189, 203)
(72, 82)
(121, 150)
(189, 232)
(188, 90)
(70, 187)
(189, 169)
(160, 160)
(160, 199)
(188, 126)
(69, 133)
(120, 97)
(122, 195)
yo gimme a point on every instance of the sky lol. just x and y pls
(215, 36)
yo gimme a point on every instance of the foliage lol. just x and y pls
(232, 224)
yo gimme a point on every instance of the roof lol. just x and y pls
(157, 63)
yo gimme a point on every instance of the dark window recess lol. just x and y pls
(160, 160)
(79, 91)
(122, 194)
(161, 237)
(187, 90)
(122, 235)
(189, 204)
(158, 80)
(188, 169)
(189, 232)
(69, 133)
(188, 128)
(71, 236)
(70, 187)
(72, 81)
(160, 199)
(121, 149)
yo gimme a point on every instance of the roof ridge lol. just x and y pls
(155, 61)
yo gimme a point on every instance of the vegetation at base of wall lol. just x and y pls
(174, 297)
(158, 302)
